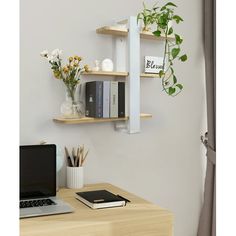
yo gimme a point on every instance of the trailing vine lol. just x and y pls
(162, 18)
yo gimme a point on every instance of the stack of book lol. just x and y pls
(105, 99)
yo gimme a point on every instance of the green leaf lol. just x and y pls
(183, 57)
(177, 19)
(170, 4)
(171, 90)
(163, 8)
(172, 70)
(174, 79)
(157, 33)
(170, 31)
(178, 39)
(180, 86)
(163, 19)
(175, 52)
(161, 73)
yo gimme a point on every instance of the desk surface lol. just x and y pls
(138, 218)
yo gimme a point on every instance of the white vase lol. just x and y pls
(75, 177)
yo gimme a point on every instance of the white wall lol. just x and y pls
(164, 163)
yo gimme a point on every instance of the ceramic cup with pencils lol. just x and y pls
(75, 169)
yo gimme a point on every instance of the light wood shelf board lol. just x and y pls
(119, 74)
(146, 75)
(124, 32)
(149, 35)
(95, 120)
(105, 73)
(112, 31)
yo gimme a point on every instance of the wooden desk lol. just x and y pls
(138, 218)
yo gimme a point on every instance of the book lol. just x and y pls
(121, 99)
(106, 99)
(94, 99)
(100, 199)
(114, 99)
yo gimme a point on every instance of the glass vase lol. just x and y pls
(72, 107)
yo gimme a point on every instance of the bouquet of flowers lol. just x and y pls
(68, 73)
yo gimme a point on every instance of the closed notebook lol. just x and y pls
(100, 199)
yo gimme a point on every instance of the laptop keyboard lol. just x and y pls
(36, 203)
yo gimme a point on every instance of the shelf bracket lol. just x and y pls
(133, 84)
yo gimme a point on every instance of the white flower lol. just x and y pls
(51, 58)
(44, 53)
(56, 52)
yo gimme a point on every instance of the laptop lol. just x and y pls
(38, 182)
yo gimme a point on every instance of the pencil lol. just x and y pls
(77, 158)
(85, 157)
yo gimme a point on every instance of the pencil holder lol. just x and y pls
(75, 177)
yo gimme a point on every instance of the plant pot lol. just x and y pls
(146, 29)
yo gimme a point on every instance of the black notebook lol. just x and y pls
(100, 199)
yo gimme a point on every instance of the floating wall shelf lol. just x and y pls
(112, 31)
(124, 32)
(119, 74)
(105, 73)
(95, 120)
(144, 75)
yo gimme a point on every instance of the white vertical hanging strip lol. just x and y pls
(133, 83)
(120, 65)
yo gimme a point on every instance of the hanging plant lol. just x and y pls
(162, 19)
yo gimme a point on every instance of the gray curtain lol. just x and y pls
(207, 222)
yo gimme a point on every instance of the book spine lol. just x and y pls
(121, 99)
(90, 99)
(99, 99)
(114, 99)
(106, 99)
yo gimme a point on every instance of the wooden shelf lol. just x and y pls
(149, 35)
(112, 31)
(124, 32)
(145, 75)
(105, 73)
(94, 120)
(120, 74)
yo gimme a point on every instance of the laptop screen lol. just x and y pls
(37, 171)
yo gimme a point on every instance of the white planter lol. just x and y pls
(75, 177)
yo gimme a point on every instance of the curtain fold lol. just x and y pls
(207, 222)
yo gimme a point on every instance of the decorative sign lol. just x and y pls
(153, 64)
